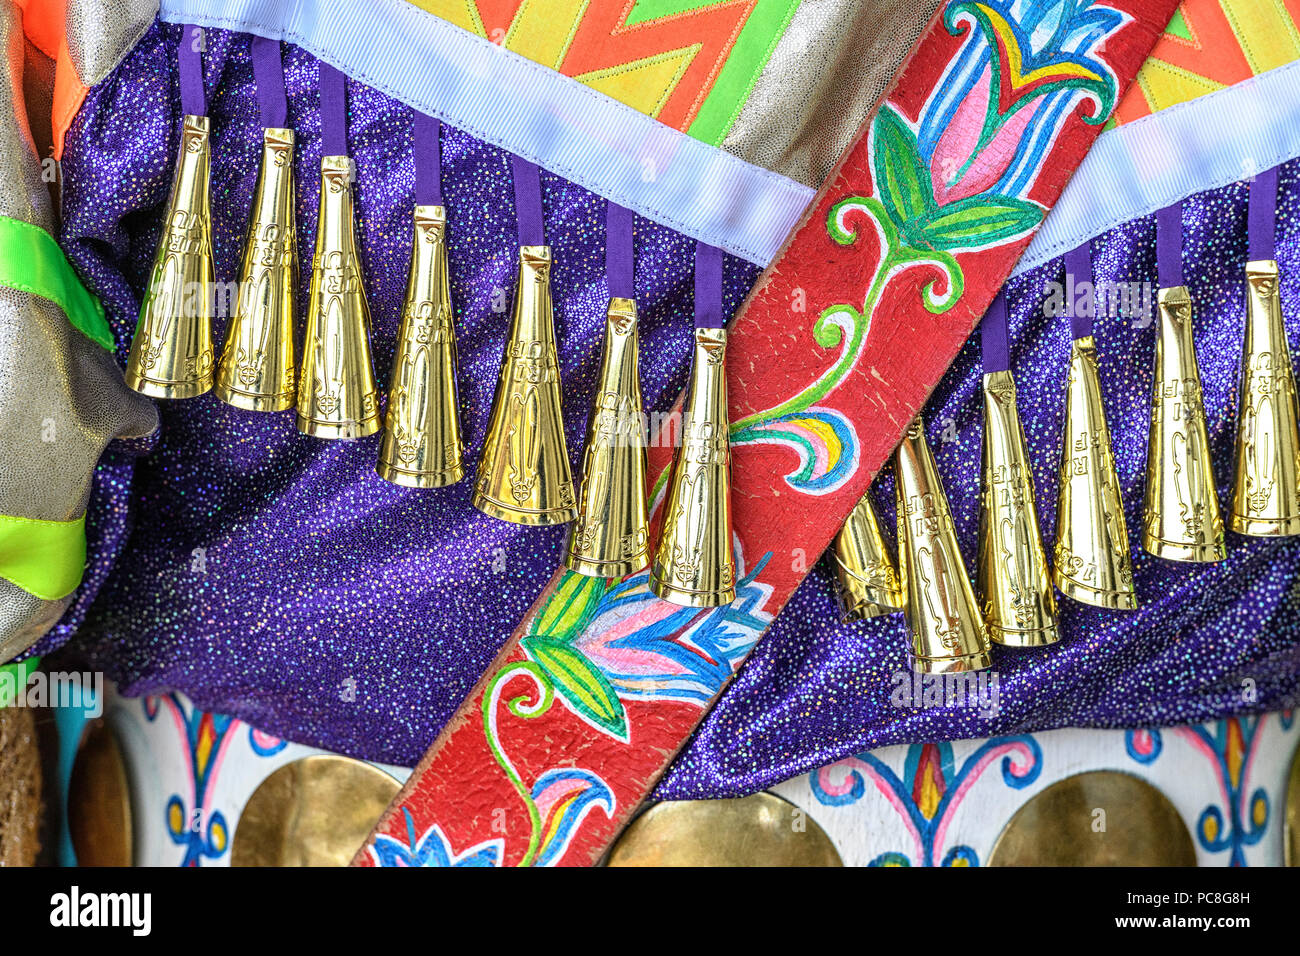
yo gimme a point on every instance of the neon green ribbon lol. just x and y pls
(31, 261)
(44, 558)
(14, 677)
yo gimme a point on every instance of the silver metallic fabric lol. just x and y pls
(62, 398)
(24, 618)
(23, 195)
(828, 71)
(38, 91)
(100, 32)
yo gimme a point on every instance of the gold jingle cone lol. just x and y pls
(609, 538)
(1092, 563)
(1266, 491)
(694, 563)
(422, 445)
(1182, 503)
(256, 371)
(525, 476)
(337, 396)
(865, 580)
(1014, 582)
(947, 629)
(171, 353)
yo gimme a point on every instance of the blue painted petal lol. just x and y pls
(565, 796)
(390, 852)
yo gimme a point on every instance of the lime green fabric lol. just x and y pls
(44, 558)
(31, 261)
(15, 676)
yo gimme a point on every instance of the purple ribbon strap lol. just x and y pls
(1169, 246)
(268, 73)
(1078, 270)
(189, 58)
(528, 202)
(995, 340)
(708, 286)
(618, 251)
(333, 111)
(428, 161)
(1262, 217)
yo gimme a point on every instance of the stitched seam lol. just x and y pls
(1275, 158)
(782, 185)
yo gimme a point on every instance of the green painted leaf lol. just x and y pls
(976, 222)
(901, 177)
(584, 688)
(567, 610)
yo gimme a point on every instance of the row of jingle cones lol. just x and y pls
(952, 631)
(524, 476)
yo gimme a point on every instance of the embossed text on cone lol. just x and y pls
(257, 369)
(525, 476)
(422, 445)
(694, 561)
(1015, 583)
(609, 539)
(1092, 562)
(1266, 486)
(1182, 520)
(947, 629)
(171, 351)
(337, 395)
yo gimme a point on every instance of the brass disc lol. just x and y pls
(99, 801)
(759, 830)
(1098, 818)
(316, 811)
(1291, 845)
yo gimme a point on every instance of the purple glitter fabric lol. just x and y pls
(274, 577)
(1207, 640)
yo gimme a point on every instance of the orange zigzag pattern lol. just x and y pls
(603, 42)
(1230, 41)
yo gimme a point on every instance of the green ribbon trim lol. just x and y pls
(14, 677)
(31, 261)
(44, 558)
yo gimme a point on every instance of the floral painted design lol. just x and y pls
(1023, 69)
(929, 790)
(1143, 744)
(431, 849)
(1242, 820)
(955, 181)
(594, 646)
(649, 649)
(195, 824)
(1230, 746)
(563, 798)
(598, 644)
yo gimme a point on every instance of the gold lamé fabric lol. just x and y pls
(829, 69)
